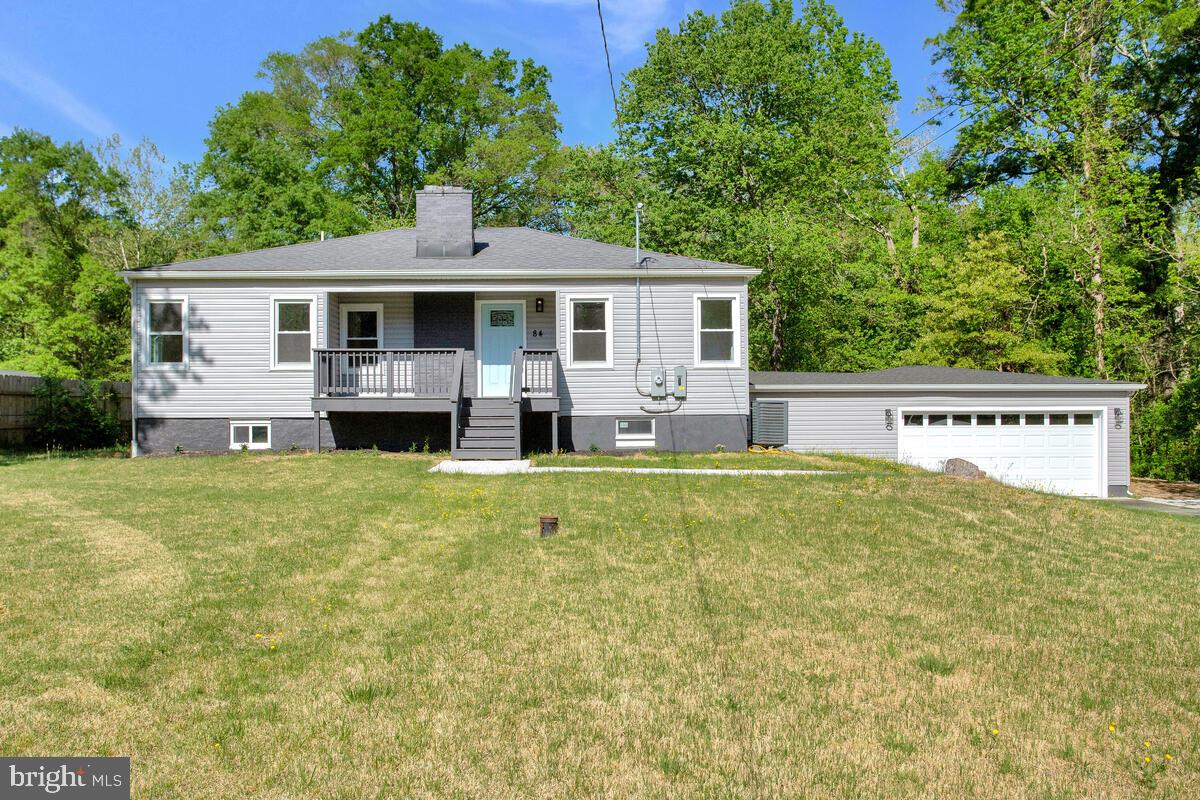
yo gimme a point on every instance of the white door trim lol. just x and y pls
(523, 302)
(344, 308)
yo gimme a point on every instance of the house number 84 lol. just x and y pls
(537, 333)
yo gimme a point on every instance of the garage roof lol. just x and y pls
(941, 378)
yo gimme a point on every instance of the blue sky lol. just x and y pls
(81, 70)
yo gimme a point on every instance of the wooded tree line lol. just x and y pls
(1045, 220)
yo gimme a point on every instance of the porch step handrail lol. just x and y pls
(414, 372)
(539, 373)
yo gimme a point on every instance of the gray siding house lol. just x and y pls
(492, 342)
(481, 341)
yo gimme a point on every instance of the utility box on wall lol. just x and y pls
(680, 389)
(658, 384)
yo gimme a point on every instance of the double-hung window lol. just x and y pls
(590, 323)
(166, 326)
(716, 331)
(292, 333)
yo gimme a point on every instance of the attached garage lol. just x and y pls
(1056, 434)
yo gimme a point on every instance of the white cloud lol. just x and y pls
(629, 24)
(52, 94)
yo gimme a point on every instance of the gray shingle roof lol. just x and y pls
(921, 376)
(497, 249)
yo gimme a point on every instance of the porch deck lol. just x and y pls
(431, 380)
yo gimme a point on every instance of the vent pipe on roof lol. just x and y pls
(445, 223)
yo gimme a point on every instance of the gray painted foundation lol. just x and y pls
(672, 432)
(397, 432)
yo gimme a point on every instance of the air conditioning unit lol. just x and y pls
(769, 422)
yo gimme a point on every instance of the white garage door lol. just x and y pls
(1055, 451)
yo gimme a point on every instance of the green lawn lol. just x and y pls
(773, 459)
(350, 626)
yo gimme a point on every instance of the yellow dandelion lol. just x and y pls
(216, 744)
(1145, 744)
(258, 636)
(1167, 756)
(1147, 759)
(995, 731)
(1112, 726)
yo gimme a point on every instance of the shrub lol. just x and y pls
(63, 419)
(1166, 434)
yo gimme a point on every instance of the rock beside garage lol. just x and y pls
(961, 468)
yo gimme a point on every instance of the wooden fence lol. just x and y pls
(17, 404)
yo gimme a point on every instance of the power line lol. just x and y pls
(607, 60)
(1010, 61)
(1082, 40)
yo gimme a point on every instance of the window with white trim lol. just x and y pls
(362, 325)
(716, 331)
(590, 321)
(166, 322)
(292, 333)
(249, 435)
(635, 432)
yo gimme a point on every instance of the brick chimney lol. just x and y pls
(445, 224)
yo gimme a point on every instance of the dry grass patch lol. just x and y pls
(349, 626)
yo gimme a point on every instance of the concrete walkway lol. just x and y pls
(481, 467)
(515, 467)
(1186, 508)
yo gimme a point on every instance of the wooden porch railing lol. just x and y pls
(539, 373)
(387, 373)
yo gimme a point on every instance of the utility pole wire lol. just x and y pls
(607, 60)
(1087, 37)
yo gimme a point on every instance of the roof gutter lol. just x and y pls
(949, 387)
(455, 275)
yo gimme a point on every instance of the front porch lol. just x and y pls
(461, 354)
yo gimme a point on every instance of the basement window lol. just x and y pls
(637, 433)
(247, 435)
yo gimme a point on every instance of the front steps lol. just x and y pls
(487, 430)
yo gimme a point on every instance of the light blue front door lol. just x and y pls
(501, 331)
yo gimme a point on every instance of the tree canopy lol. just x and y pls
(352, 126)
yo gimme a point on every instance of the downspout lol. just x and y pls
(637, 294)
(133, 367)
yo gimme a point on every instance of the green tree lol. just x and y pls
(757, 137)
(256, 186)
(1048, 87)
(62, 312)
(983, 315)
(352, 126)
(149, 208)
